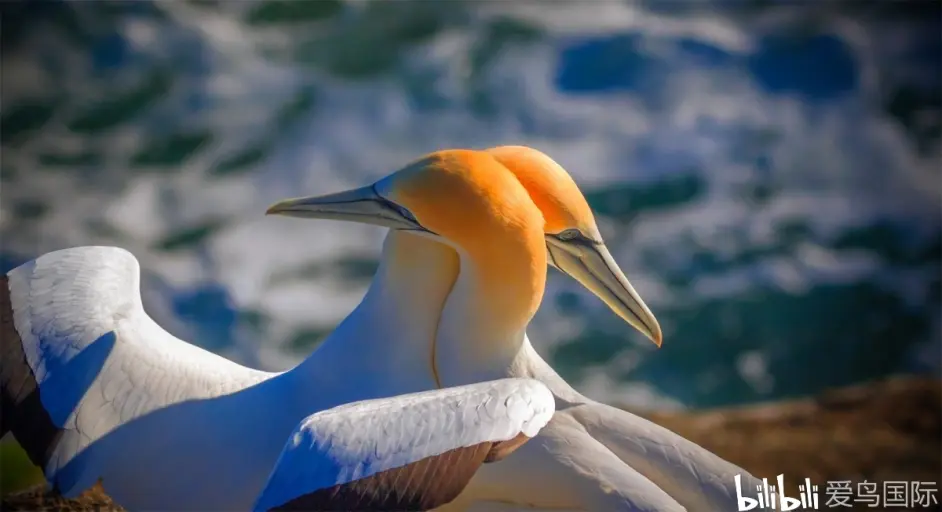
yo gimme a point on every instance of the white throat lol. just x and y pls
(470, 345)
(386, 341)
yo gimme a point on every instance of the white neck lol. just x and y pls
(475, 342)
(387, 340)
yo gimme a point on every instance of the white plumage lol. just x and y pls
(488, 274)
(462, 274)
(592, 456)
(167, 425)
(330, 447)
(100, 361)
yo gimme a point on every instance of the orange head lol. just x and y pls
(573, 242)
(465, 199)
(500, 207)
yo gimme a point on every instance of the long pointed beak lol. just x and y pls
(363, 205)
(593, 266)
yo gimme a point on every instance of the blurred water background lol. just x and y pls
(766, 173)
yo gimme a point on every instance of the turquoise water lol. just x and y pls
(768, 177)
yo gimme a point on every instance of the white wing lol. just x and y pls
(692, 475)
(410, 452)
(81, 358)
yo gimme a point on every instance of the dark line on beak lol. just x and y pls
(553, 258)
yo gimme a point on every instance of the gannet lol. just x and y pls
(591, 456)
(94, 389)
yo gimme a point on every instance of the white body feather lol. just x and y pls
(167, 425)
(592, 456)
(101, 363)
(358, 440)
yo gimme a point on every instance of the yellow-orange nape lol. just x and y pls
(573, 242)
(551, 188)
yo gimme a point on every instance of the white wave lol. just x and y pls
(837, 164)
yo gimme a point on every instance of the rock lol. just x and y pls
(37, 499)
(889, 430)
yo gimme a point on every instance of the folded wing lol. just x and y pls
(409, 452)
(695, 477)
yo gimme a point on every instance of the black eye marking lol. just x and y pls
(401, 210)
(405, 213)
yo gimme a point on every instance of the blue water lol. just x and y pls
(768, 177)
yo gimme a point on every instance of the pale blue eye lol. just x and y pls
(569, 234)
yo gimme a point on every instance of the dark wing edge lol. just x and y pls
(422, 485)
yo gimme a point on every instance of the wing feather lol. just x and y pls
(410, 452)
(82, 357)
(694, 476)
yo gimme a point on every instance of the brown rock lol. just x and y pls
(883, 431)
(39, 500)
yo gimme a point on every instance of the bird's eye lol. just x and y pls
(569, 234)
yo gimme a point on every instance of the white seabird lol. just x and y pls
(95, 390)
(479, 289)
